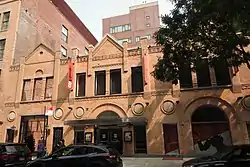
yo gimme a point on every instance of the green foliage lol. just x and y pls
(197, 29)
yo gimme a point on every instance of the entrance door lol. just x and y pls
(140, 139)
(79, 137)
(111, 136)
(57, 136)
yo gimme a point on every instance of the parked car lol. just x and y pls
(14, 154)
(80, 156)
(237, 156)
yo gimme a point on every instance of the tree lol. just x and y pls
(198, 29)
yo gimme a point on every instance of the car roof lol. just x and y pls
(6, 144)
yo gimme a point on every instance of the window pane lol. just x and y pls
(137, 79)
(37, 89)
(203, 73)
(81, 84)
(5, 22)
(64, 30)
(64, 52)
(100, 81)
(49, 86)
(222, 73)
(2, 47)
(26, 90)
(115, 81)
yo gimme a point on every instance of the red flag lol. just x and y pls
(70, 75)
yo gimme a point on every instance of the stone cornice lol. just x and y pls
(105, 57)
(107, 65)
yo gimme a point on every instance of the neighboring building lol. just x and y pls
(28, 26)
(142, 20)
(116, 101)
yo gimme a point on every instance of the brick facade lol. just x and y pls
(108, 55)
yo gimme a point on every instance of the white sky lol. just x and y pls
(91, 12)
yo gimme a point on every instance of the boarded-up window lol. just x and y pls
(37, 91)
(48, 88)
(26, 90)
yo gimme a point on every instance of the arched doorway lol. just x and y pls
(210, 129)
(108, 115)
(109, 134)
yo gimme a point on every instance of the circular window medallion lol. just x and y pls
(246, 102)
(168, 107)
(138, 109)
(12, 116)
(79, 112)
(58, 113)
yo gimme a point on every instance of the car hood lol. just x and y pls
(199, 160)
(38, 159)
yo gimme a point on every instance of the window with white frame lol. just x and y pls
(64, 52)
(5, 22)
(64, 33)
(148, 36)
(137, 39)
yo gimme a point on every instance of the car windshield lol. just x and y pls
(17, 149)
(220, 155)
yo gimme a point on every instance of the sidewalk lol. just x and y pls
(150, 162)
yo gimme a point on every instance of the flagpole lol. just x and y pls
(44, 124)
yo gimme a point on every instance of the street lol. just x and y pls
(150, 162)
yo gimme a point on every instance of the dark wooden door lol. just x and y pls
(57, 135)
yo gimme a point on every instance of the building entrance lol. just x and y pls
(110, 134)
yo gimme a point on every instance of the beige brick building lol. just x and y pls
(25, 27)
(115, 100)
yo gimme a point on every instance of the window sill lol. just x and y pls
(206, 88)
(111, 95)
(4, 30)
(35, 101)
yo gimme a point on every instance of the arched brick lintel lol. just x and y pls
(212, 101)
(107, 107)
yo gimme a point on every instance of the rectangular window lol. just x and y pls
(120, 28)
(81, 84)
(26, 90)
(5, 22)
(186, 76)
(120, 41)
(137, 79)
(115, 81)
(203, 73)
(148, 36)
(64, 34)
(49, 88)
(86, 51)
(137, 39)
(2, 48)
(37, 91)
(100, 82)
(64, 52)
(222, 73)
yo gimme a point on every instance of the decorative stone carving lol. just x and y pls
(79, 112)
(168, 107)
(246, 102)
(138, 109)
(58, 114)
(11, 116)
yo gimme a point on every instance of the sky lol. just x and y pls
(91, 12)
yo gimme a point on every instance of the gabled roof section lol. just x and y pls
(39, 46)
(69, 14)
(109, 38)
